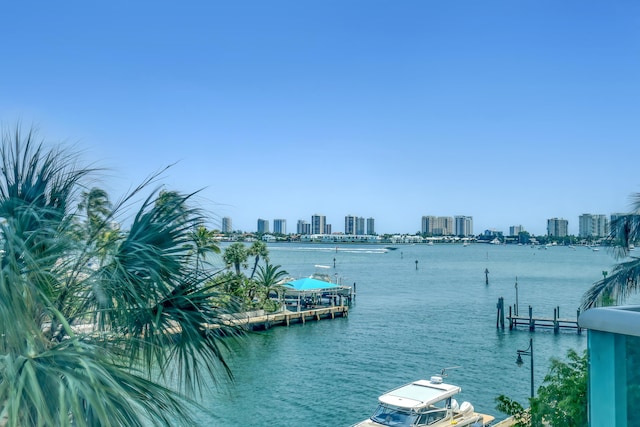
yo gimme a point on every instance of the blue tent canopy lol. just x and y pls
(309, 284)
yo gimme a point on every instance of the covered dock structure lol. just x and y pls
(309, 293)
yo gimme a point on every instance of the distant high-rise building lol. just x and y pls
(226, 225)
(263, 225)
(303, 227)
(515, 230)
(590, 225)
(371, 226)
(280, 226)
(350, 224)
(557, 227)
(438, 225)
(463, 225)
(318, 223)
(327, 229)
(356, 225)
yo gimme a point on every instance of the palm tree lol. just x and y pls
(95, 344)
(97, 226)
(625, 278)
(236, 255)
(268, 279)
(205, 243)
(96, 205)
(258, 249)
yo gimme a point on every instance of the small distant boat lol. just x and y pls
(594, 249)
(424, 403)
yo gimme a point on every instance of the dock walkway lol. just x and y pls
(556, 323)
(262, 321)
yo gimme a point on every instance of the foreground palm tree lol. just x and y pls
(93, 328)
(625, 278)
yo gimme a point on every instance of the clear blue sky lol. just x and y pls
(512, 112)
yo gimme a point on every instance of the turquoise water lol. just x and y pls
(406, 324)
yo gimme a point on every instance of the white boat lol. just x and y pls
(424, 403)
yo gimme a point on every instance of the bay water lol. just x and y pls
(418, 309)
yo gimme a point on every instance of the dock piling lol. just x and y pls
(500, 315)
(532, 324)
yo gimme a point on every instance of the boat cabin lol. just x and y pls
(423, 403)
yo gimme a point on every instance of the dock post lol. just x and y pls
(578, 323)
(510, 319)
(500, 313)
(532, 324)
(556, 327)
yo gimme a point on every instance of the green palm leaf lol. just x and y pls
(97, 324)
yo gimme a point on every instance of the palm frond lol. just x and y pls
(96, 323)
(76, 383)
(621, 283)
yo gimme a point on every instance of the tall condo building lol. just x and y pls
(318, 223)
(280, 226)
(590, 225)
(371, 226)
(464, 225)
(226, 225)
(437, 225)
(263, 225)
(354, 225)
(515, 230)
(557, 227)
(303, 227)
(350, 224)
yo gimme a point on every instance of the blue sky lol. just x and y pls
(511, 112)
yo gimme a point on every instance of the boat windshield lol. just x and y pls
(389, 416)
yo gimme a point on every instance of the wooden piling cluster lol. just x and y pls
(532, 322)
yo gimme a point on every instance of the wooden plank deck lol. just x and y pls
(556, 322)
(286, 318)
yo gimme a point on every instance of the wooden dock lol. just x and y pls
(556, 322)
(261, 321)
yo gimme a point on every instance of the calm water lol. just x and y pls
(406, 324)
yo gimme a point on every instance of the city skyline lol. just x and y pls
(512, 112)
(589, 224)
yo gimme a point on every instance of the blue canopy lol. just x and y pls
(309, 284)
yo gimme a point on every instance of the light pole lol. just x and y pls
(527, 352)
